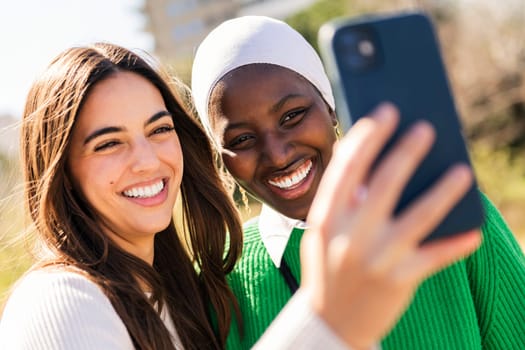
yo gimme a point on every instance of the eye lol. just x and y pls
(242, 141)
(163, 129)
(106, 145)
(293, 117)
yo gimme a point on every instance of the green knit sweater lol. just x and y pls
(477, 303)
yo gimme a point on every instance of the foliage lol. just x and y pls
(4, 163)
(502, 178)
(14, 255)
(308, 21)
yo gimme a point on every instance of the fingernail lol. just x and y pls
(385, 111)
(421, 128)
(462, 172)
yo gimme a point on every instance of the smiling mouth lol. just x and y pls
(145, 191)
(293, 179)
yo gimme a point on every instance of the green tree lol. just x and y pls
(308, 21)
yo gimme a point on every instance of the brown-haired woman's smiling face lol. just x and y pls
(277, 134)
(125, 159)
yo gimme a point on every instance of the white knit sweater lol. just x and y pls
(63, 310)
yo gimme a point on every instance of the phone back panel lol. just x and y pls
(397, 59)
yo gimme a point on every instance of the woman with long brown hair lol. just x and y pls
(82, 180)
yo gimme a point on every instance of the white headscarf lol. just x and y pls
(253, 39)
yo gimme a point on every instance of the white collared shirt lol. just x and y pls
(275, 230)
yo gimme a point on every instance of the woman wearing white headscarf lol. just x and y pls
(263, 96)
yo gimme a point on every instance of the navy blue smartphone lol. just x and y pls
(396, 58)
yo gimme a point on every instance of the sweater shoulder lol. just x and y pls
(61, 310)
(254, 251)
(67, 283)
(497, 235)
(496, 272)
(55, 287)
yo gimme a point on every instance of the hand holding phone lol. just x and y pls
(396, 58)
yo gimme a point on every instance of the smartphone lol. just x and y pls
(396, 58)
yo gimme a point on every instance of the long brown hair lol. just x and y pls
(189, 282)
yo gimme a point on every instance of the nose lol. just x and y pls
(144, 157)
(275, 151)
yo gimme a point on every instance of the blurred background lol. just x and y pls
(483, 43)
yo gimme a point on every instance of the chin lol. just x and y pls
(153, 229)
(300, 212)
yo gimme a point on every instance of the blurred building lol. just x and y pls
(179, 25)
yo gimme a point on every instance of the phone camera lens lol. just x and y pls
(366, 48)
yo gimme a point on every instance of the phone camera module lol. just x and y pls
(358, 49)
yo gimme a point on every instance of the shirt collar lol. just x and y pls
(275, 230)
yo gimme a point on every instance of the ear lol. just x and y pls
(335, 122)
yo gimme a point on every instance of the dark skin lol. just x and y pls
(277, 134)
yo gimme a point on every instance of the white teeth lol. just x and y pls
(145, 192)
(292, 180)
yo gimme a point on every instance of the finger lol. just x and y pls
(427, 211)
(434, 256)
(393, 172)
(422, 216)
(350, 164)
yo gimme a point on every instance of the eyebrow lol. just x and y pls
(113, 129)
(276, 107)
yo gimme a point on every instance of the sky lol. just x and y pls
(33, 32)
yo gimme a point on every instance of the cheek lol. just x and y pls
(330, 137)
(241, 167)
(172, 155)
(328, 147)
(92, 177)
(325, 130)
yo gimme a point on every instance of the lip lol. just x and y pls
(158, 199)
(298, 189)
